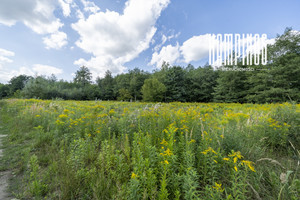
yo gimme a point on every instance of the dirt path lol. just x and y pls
(3, 177)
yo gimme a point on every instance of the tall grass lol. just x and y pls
(118, 150)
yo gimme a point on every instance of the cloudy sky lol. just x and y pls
(58, 36)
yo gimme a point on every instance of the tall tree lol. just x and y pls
(175, 84)
(18, 83)
(153, 90)
(200, 84)
(231, 86)
(137, 78)
(106, 86)
(280, 80)
(83, 76)
(4, 90)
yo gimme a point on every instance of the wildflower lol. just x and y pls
(63, 116)
(209, 150)
(226, 159)
(168, 152)
(236, 154)
(66, 111)
(218, 187)
(166, 162)
(192, 141)
(133, 175)
(112, 111)
(164, 142)
(249, 164)
(235, 159)
(58, 122)
(235, 168)
(38, 116)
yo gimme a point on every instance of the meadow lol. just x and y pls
(123, 150)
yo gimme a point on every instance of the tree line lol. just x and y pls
(278, 81)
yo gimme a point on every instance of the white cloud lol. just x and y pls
(65, 5)
(56, 40)
(35, 14)
(195, 48)
(6, 74)
(90, 6)
(4, 54)
(114, 39)
(164, 39)
(46, 70)
(4, 59)
(168, 53)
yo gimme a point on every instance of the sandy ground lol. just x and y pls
(4, 176)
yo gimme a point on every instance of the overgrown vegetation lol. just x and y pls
(122, 150)
(278, 81)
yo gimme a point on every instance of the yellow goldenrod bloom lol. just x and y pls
(133, 175)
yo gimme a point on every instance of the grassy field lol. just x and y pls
(122, 150)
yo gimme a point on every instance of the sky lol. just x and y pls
(44, 37)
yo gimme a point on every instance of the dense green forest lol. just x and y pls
(278, 81)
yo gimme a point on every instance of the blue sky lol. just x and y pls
(58, 36)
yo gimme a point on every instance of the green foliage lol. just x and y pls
(83, 76)
(231, 87)
(200, 84)
(175, 86)
(106, 86)
(122, 150)
(124, 95)
(153, 90)
(36, 186)
(18, 83)
(4, 90)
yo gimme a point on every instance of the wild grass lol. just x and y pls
(120, 150)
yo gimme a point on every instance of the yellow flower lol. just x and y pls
(192, 141)
(164, 142)
(222, 136)
(234, 159)
(58, 122)
(235, 168)
(249, 164)
(133, 175)
(166, 162)
(226, 159)
(63, 116)
(209, 150)
(236, 154)
(66, 111)
(218, 187)
(168, 152)
(112, 111)
(38, 116)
